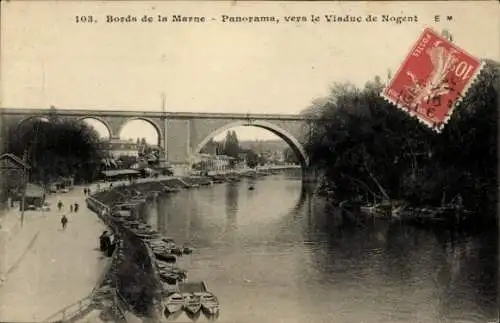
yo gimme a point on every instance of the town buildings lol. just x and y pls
(207, 162)
(116, 148)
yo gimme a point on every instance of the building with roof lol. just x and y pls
(34, 196)
(14, 173)
(116, 148)
(207, 162)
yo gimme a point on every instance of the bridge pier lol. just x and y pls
(309, 175)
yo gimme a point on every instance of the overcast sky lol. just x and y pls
(48, 59)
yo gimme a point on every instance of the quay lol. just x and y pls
(45, 269)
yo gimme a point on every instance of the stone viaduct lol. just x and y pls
(181, 134)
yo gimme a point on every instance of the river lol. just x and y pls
(273, 255)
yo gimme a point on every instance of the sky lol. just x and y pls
(48, 59)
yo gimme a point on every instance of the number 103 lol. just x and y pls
(84, 19)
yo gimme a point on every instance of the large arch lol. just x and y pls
(24, 121)
(147, 120)
(280, 132)
(101, 120)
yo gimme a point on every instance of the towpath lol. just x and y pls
(45, 268)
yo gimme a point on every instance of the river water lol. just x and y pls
(274, 254)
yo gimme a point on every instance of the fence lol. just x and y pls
(134, 251)
(83, 306)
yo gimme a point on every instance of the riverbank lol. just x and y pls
(451, 216)
(119, 204)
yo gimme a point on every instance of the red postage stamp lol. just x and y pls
(433, 79)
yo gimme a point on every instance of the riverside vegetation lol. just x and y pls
(362, 145)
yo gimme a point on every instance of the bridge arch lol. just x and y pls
(24, 121)
(147, 120)
(275, 129)
(101, 121)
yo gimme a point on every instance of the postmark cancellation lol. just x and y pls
(433, 79)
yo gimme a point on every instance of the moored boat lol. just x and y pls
(209, 304)
(165, 257)
(192, 306)
(176, 251)
(186, 250)
(170, 278)
(174, 303)
(447, 216)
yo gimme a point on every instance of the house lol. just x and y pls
(207, 162)
(14, 172)
(116, 148)
(34, 196)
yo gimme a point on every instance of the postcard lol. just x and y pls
(249, 161)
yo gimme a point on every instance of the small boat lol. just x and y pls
(209, 304)
(148, 236)
(369, 209)
(165, 257)
(174, 303)
(176, 251)
(171, 270)
(170, 278)
(168, 240)
(192, 306)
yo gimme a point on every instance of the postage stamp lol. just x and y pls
(433, 79)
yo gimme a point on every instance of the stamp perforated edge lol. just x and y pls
(459, 100)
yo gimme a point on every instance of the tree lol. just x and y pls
(231, 145)
(252, 158)
(127, 161)
(364, 145)
(290, 156)
(56, 147)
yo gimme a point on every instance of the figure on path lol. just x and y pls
(64, 221)
(85, 191)
(71, 208)
(104, 241)
(76, 207)
(59, 205)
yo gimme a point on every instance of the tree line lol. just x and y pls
(361, 145)
(55, 148)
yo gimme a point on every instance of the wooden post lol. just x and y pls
(25, 186)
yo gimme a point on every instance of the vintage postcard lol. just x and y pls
(249, 161)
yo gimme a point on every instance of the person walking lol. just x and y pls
(64, 221)
(85, 191)
(76, 207)
(59, 205)
(71, 208)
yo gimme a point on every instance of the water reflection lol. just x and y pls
(232, 190)
(277, 254)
